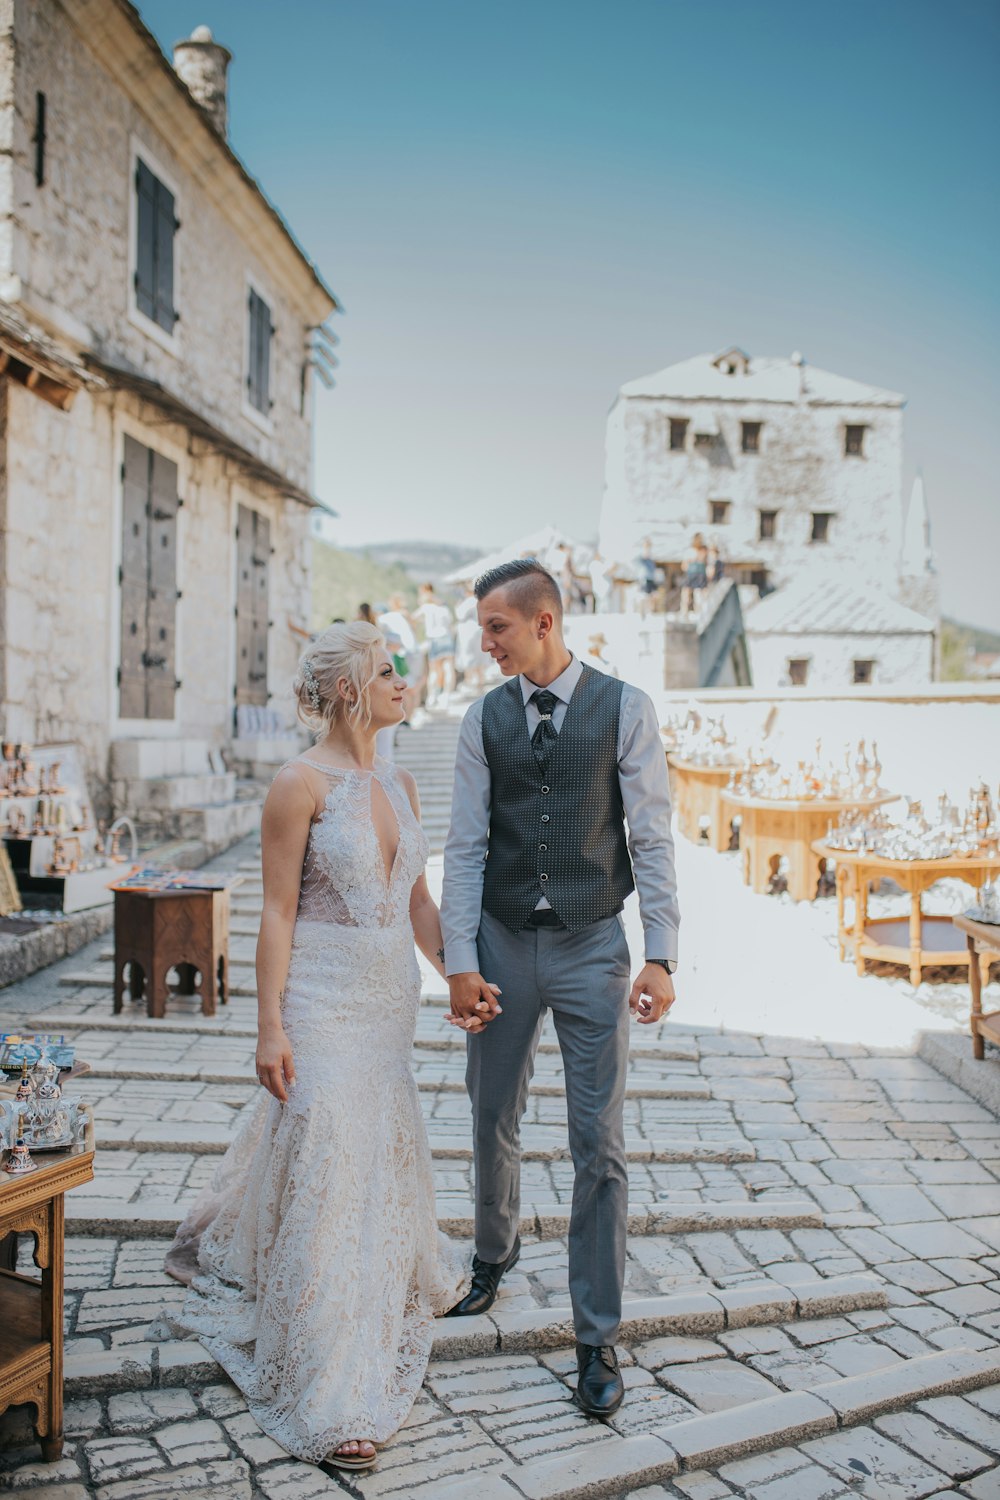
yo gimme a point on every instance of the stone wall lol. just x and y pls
(801, 468)
(61, 537)
(899, 659)
(70, 263)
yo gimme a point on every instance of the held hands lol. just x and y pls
(473, 1001)
(652, 994)
(275, 1068)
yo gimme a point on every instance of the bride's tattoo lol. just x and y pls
(440, 954)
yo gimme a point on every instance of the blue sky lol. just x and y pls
(524, 205)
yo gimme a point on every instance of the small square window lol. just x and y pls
(719, 512)
(821, 526)
(864, 671)
(768, 525)
(798, 671)
(751, 437)
(854, 442)
(678, 433)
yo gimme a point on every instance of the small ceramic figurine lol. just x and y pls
(50, 1088)
(19, 1162)
(25, 1088)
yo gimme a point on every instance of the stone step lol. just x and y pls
(172, 793)
(701, 1315)
(706, 1441)
(681, 1088)
(211, 1139)
(443, 1039)
(91, 1215)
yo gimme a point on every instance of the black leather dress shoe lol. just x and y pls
(485, 1280)
(600, 1389)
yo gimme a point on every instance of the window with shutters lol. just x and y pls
(156, 226)
(260, 332)
(767, 525)
(678, 434)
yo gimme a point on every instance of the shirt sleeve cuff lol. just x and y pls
(661, 942)
(461, 958)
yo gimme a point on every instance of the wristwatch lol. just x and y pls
(669, 964)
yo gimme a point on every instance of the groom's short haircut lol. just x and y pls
(529, 587)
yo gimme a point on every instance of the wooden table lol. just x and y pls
(980, 935)
(156, 931)
(31, 1312)
(917, 942)
(773, 828)
(696, 796)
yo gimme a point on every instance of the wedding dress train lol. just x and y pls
(314, 1260)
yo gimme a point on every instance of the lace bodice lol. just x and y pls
(344, 877)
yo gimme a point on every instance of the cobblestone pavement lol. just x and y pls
(812, 1288)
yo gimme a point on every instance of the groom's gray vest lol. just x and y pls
(558, 833)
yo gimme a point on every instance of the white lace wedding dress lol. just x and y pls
(316, 1260)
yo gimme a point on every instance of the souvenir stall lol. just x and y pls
(57, 855)
(915, 854)
(46, 1148)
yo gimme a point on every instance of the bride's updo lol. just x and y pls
(350, 651)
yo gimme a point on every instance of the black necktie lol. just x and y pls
(545, 735)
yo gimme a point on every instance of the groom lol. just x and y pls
(538, 862)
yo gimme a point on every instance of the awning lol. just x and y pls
(32, 358)
(705, 424)
(122, 378)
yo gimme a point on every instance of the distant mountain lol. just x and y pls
(423, 562)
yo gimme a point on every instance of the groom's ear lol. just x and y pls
(544, 623)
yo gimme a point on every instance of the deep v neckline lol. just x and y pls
(387, 868)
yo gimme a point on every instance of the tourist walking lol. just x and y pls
(471, 661)
(314, 1259)
(436, 618)
(536, 867)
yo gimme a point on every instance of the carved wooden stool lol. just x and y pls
(156, 931)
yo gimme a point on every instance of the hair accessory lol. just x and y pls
(312, 686)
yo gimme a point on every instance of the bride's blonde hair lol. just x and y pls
(348, 651)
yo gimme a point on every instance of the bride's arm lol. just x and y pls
(284, 830)
(426, 918)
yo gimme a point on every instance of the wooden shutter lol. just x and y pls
(156, 224)
(253, 553)
(148, 668)
(134, 580)
(259, 362)
(145, 262)
(161, 663)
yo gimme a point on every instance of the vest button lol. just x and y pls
(545, 788)
(543, 848)
(543, 877)
(545, 817)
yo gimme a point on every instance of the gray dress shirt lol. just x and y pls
(642, 775)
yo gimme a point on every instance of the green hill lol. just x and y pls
(342, 580)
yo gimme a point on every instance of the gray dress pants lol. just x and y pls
(583, 978)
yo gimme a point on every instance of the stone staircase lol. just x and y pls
(170, 791)
(812, 1296)
(429, 753)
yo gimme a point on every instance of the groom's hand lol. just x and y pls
(473, 1001)
(652, 994)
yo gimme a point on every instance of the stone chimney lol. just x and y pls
(202, 64)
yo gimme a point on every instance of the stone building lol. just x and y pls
(796, 474)
(159, 335)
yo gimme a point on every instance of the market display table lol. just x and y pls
(696, 796)
(919, 941)
(774, 828)
(186, 930)
(980, 936)
(31, 1312)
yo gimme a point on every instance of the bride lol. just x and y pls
(314, 1261)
